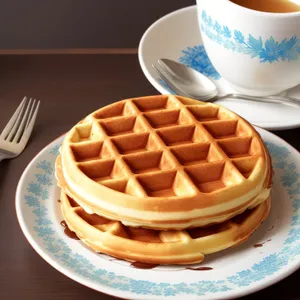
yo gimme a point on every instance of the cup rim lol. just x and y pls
(263, 13)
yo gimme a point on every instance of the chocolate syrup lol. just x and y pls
(200, 269)
(63, 223)
(141, 265)
(260, 245)
(68, 232)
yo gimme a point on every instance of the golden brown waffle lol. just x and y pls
(165, 162)
(160, 247)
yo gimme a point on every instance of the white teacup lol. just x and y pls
(258, 53)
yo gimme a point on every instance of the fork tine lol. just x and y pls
(16, 124)
(30, 115)
(28, 129)
(24, 119)
(12, 120)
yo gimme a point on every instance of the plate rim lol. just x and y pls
(161, 89)
(231, 294)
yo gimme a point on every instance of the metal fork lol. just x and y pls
(16, 133)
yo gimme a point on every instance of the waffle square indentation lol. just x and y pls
(101, 170)
(165, 184)
(122, 125)
(213, 176)
(114, 110)
(167, 118)
(90, 151)
(179, 135)
(192, 154)
(245, 165)
(123, 186)
(206, 113)
(118, 185)
(146, 104)
(144, 234)
(200, 232)
(133, 143)
(237, 147)
(81, 133)
(225, 129)
(144, 162)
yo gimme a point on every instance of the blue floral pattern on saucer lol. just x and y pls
(268, 51)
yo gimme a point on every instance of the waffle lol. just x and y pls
(164, 162)
(155, 246)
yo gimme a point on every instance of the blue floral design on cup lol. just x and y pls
(196, 58)
(267, 51)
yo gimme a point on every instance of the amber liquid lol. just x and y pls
(275, 6)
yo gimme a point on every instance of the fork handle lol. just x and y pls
(4, 155)
(287, 100)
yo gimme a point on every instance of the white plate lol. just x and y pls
(232, 275)
(177, 36)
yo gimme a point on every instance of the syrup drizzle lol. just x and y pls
(141, 265)
(260, 245)
(199, 269)
(68, 232)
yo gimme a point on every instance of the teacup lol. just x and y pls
(258, 53)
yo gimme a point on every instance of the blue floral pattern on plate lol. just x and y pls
(37, 196)
(267, 51)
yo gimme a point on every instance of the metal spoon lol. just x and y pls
(188, 82)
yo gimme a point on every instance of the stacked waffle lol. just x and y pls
(163, 179)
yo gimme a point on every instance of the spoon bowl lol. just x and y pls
(185, 78)
(188, 82)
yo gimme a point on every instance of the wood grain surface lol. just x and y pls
(69, 86)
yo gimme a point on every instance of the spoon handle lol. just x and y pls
(287, 100)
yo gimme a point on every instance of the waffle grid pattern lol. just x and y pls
(160, 147)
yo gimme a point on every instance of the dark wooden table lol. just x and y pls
(70, 87)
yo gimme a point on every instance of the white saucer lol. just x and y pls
(277, 240)
(177, 36)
